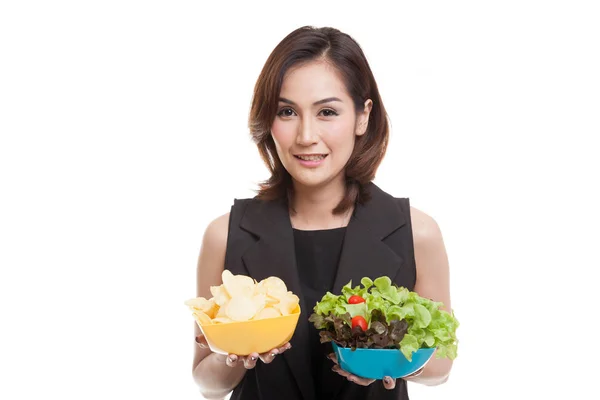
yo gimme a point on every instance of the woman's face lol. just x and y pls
(316, 125)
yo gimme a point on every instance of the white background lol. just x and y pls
(123, 133)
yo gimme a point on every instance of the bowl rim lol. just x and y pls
(427, 350)
(422, 349)
(292, 314)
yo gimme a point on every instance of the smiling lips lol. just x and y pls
(310, 157)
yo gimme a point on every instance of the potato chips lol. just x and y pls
(241, 298)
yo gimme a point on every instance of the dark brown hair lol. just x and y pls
(329, 45)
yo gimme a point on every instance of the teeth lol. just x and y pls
(311, 158)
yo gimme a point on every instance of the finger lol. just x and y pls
(389, 383)
(201, 341)
(231, 360)
(352, 378)
(267, 358)
(360, 381)
(250, 361)
(336, 368)
(285, 347)
(332, 357)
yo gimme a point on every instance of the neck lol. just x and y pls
(314, 206)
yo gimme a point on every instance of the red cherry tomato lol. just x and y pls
(359, 321)
(355, 300)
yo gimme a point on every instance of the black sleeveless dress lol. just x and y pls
(261, 243)
(317, 257)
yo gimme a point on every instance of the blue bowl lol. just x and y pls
(378, 363)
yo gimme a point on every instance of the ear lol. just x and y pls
(363, 118)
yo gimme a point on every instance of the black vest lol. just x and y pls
(260, 244)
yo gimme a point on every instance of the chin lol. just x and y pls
(313, 182)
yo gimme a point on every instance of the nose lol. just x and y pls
(306, 134)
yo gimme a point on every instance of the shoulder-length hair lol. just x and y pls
(330, 45)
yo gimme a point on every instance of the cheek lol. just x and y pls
(282, 135)
(338, 135)
(341, 136)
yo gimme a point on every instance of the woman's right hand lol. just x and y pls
(249, 361)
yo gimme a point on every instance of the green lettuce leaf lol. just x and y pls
(396, 317)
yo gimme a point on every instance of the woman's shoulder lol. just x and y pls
(426, 232)
(215, 234)
(217, 230)
(424, 226)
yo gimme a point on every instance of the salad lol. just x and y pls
(381, 315)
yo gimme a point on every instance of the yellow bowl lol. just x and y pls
(255, 336)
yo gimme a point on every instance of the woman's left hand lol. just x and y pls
(388, 382)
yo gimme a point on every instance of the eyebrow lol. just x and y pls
(316, 103)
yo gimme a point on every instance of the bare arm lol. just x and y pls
(210, 371)
(216, 374)
(433, 282)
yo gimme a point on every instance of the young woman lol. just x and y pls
(319, 221)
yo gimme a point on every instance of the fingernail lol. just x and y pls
(273, 355)
(289, 346)
(386, 380)
(253, 358)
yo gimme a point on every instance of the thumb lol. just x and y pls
(389, 383)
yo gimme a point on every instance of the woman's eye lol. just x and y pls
(281, 112)
(331, 113)
(288, 112)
